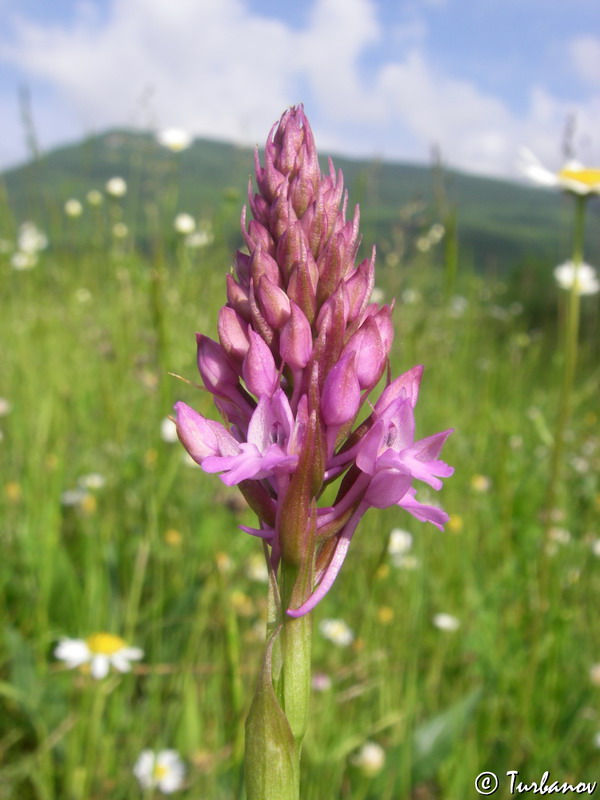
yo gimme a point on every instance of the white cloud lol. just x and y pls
(585, 54)
(217, 69)
(209, 66)
(474, 129)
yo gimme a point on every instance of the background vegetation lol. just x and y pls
(90, 335)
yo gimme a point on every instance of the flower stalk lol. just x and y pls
(570, 342)
(300, 349)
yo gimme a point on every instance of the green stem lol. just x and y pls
(296, 651)
(570, 343)
(278, 716)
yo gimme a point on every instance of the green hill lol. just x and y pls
(501, 225)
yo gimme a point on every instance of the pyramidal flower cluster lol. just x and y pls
(300, 349)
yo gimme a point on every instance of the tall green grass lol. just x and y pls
(89, 337)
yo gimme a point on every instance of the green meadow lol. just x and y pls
(105, 527)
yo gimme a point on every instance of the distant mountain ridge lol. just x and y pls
(500, 224)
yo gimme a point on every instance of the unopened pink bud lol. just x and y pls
(269, 178)
(232, 334)
(258, 205)
(282, 214)
(237, 297)
(202, 437)
(295, 344)
(359, 285)
(331, 265)
(241, 262)
(383, 319)
(218, 375)
(292, 249)
(370, 356)
(340, 399)
(256, 235)
(261, 264)
(259, 370)
(194, 433)
(273, 303)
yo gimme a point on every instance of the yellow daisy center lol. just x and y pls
(105, 644)
(589, 177)
(159, 771)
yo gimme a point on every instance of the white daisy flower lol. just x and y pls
(574, 177)
(174, 139)
(73, 497)
(168, 430)
(377, 295)
(92, 481)
(73, 208)
(100, 651)
(184, 224)
(400, 542)
(120, 230)
(116, 187)
(408, 562)
(5, 406)
(94, 198)
(585, 276)
(436, 232)
(163, 770)
(198, 239)
(458, 306)
(83, 295)
(559, 535)
(22, 261)
(337, 632)
(370, 758)
(256, 568)
(31, 239)
(410, 297)
(446, 622)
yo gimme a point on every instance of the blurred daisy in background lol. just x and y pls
(584, 276)
(168, 430)
(446, 622)
(337, 632)
(184, 224)
(100, 651)
(573, 176)
(116, 187)
(174, 139)
(399, 546)
(73, 208)
(94, 198)
(369, 759)
(163, 770)
(5, 406)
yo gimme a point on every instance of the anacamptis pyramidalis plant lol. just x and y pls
(300, 348)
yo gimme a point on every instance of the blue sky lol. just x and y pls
(475, 78)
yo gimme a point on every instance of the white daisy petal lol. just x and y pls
(120, 662)
(132, 653)
(73, 652)
(100, 666)
(144, 769)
